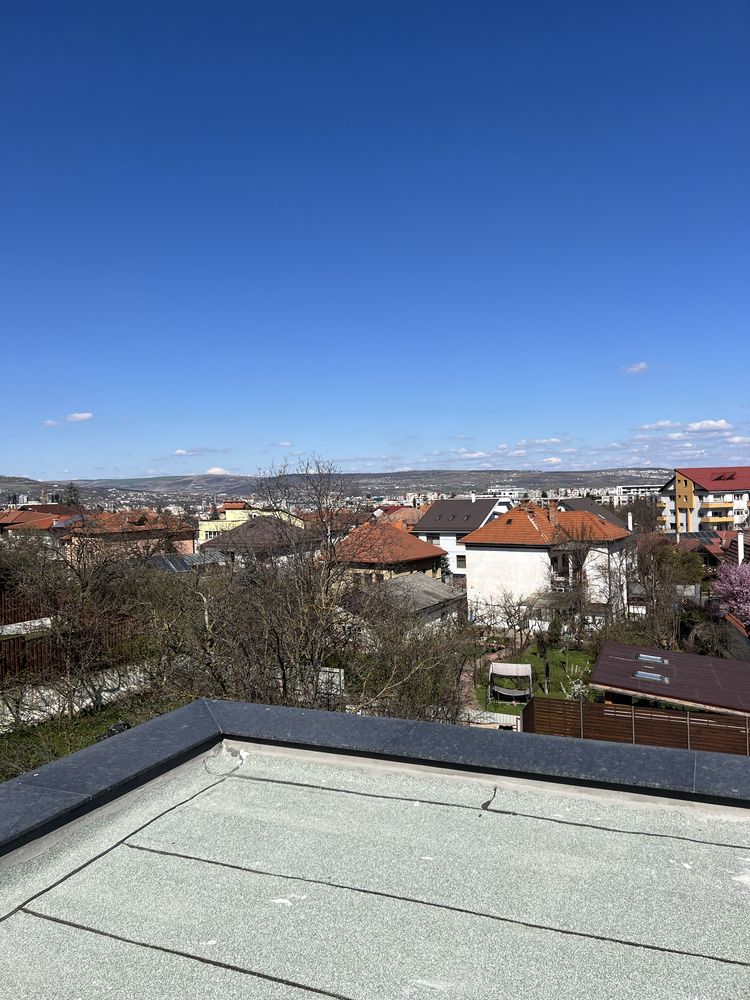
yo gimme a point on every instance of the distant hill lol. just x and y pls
(356, 483)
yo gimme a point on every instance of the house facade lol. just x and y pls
(532, 551)
(703, 499)
(448, 522)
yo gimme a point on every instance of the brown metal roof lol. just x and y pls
(691, 680)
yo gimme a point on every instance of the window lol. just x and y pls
(378, 578)
(368, 578)
(460, 562)
(433, 539)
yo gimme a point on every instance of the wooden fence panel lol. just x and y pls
(646, 726)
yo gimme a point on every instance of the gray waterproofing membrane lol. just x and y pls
(263, 872)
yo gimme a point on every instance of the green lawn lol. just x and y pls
(31, 746)
(560, 661)
(480, 692)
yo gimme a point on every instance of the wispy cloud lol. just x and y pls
(50, 423)
(281, 444)
(660, 425)
(636, 369)
(77, 418)
(198, 450)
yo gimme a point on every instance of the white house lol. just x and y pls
(447, 522)
(533, 550)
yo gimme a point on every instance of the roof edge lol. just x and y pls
(41, 801)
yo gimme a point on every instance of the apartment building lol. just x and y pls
(704, 499)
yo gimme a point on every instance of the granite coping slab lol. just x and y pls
(50, 796)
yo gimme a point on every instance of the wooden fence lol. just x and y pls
(631, 724)
(33, 659)
(14, 608)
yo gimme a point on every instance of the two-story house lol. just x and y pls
(448, 522)
(533, 550)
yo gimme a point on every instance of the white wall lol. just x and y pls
(492, 572)
(605, 573)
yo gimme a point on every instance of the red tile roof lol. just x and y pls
(719, 478)
(16, 519)
(531, 524)
(122, 522)
(378, 544)
(404, 517)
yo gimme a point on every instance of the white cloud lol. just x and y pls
(282, 444)
(50, 423)
(551, 461)
(710, 425)
(216, 470)
(519, 453)
(660, 425)
(546, 441)
(77, 418)
(474, 454)
(636, 369)
(201, 449)
(738, 439)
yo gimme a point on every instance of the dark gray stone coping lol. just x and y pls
(40, 801)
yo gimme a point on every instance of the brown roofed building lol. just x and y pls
(147, 529)
(643, 673)
(381, 551)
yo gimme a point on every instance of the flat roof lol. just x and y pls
(689, 679)
(257, 868)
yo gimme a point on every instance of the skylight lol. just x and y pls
(650, 675)
(651, 658)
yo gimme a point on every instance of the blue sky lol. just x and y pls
(397, 235)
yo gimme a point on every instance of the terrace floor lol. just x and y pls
(255, 872)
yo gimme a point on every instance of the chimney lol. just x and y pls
(473, 498)
(630, 520)
(740, 547)
(553, 511)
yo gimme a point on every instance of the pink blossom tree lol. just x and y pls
(732, 586)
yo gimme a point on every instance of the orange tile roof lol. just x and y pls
(377, 544)
(532, 524)
(404, 517)
(123, 522)
(25, 519)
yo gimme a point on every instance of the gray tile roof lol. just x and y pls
(455, 515)
(603, 510)
(421, 592)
